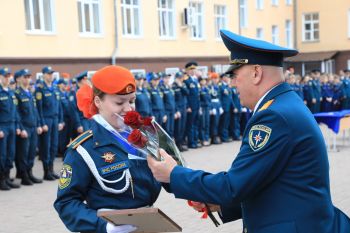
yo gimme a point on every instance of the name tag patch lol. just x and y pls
(114, 167)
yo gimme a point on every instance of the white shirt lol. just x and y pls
(261, 99)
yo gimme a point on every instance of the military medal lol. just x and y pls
(108, 157)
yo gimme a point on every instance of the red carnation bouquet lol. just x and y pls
(147, 136)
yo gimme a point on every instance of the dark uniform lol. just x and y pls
(327, 97)
(29, 119)
(309, 96)
(216, 109)
(50, 112)
(181, 93)
(9, 122)
(235, 126)
(82, 121)
(279, 181)
(143, 101)
(170, 108)
(205, 107)
(156, 100)
(227, 104)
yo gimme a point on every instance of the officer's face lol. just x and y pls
(242, 79)
(48, 77)
(111, 104)
(5, 80)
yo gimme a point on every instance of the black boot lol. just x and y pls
(25, 179)
(33, 178)
(47, 174)
(3, 184)
(9, 182)
(56, 176)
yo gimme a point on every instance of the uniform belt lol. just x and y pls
(215, 100)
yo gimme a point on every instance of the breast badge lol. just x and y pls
(109, 157)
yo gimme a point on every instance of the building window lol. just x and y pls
(260, 33)
(289, 2)
(89, 14)
(220, 19)
(349, 23)
(259, 4)
(274, 2)
(275, 35)
(131, 17)
(166, 18)
(311, 27)
(289, 35)
(39, 15)
(349, 64)
(243, 13)
(196, 20)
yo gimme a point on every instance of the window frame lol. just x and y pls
(172, 9)
(312, 30)
(289, 2)
(219, 20)
(193, 16)
(289, 33)
(243, 8)
(41, 31)
(349, 23)
(275, 35)
(274, 3)
(262, 33)
(259, 4)
(84, 33)
(124, 28)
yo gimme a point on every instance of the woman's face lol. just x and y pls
(111, 104)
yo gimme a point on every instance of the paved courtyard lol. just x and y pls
(29, 209)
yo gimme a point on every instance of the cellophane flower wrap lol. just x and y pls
(147, 136)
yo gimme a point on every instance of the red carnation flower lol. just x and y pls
(133, 119)
(137, 139)
(147, 121)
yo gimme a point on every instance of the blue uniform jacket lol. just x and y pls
(279, 181)
(308, 92)
(28, 113)
(205, 97)
(181, 94)
(235, 99)
(169, 99)
(8, 107)
(157, 99)
(225, 97)
(193, 93)
(80, 185)
(143, 102)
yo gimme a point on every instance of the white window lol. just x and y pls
(220, 19)
(39, 16)
(243, 13)
(203, 70)
(275, 35)
(289, 2)
(89, 14)
(311, 27)
(166, 18)
(274, 2)
(138, 71)
(289, 34)
(131, 17)
(349, 23)
(196, 20)
(349, 64)
(260, 33)
(259, 4)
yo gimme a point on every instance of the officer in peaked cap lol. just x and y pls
(279, 181)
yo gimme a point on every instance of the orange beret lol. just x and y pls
(214, 75)
(114, 80)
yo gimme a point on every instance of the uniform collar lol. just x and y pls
(102, 137)
(272, 93)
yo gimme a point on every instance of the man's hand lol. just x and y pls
(80, 129)
(200, 206)
(45, 128)
(60, 126)
(165, 118)
(1, 134)
(18, 132)
(39, 130)
(24, 134)
(162, 169)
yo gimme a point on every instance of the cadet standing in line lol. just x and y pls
(192, 105)
(157, 104)
(309, 95)
(204, 113)
(181, 93)
(9, 128)
(82, 79)
(76, 125)
(169, 105)
(51, 115)
(279, 181)
(216, 110)
(143, 101)
(316, 74)
(27, 141)
(235, 126)
(327, 94)
(226, 102)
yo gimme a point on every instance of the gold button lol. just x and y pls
(96, 143)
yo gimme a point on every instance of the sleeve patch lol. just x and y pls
(259, 135)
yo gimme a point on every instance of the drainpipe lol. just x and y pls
(239, 18)
(295, 26)
(115, 51)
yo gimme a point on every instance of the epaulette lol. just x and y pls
(80, 139)
(266, 105)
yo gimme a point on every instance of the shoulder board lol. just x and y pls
(80, 139)
(266, 105)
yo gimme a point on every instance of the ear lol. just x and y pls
(257, 74)
(97, 101)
